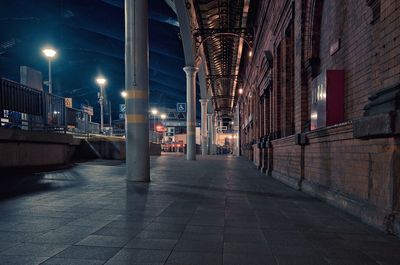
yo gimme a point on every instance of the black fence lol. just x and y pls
(26, 108)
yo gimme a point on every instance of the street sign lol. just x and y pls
(122, 108)
(181, 107)
(87, 109)
(68, 103)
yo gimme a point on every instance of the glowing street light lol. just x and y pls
(124, 94)
(50, 54)
(154, 112)
(240, 91)
(101, 81)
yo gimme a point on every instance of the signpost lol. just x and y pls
(88, 110)
(122, 108)
(68, 103)
(122, 111)
(181, 107)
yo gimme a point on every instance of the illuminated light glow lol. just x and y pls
(101, 80)
(124, 94)
(250, 53)
(163, 116)
(50, 53)
(154, 111)
(160, 128)
(314, 115)
(240, 91)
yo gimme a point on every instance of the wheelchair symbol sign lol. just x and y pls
(122, 108)
(181, 107)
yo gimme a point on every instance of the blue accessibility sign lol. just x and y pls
(181, 107)
(122, 108)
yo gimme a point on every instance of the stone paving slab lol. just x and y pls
(216, 210)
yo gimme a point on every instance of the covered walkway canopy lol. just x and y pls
(215, 36)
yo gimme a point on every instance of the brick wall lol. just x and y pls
(361, 176)
(286, 159)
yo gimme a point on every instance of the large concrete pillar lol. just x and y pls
(191, 111)
(137, 88)
(204, 137)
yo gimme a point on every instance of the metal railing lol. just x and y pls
(26, 108)
(78, 122)
(54, 112)
(21, 106)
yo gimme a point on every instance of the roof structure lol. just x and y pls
(222, 33)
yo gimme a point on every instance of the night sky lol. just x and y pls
(89, 38)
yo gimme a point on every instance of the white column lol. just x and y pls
(204, 137)
(137, 88)
(191, 111)
(237, 123)
(210, 132)
(215, 132)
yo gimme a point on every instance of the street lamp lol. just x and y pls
(101, 81)
(163, 117)
(124, 94)
(154, 112)
(50, 54)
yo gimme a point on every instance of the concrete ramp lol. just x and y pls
(110, 147)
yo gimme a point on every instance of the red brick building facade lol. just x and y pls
(334, 134)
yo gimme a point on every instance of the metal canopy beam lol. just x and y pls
(222, 32)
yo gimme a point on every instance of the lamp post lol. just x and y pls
(163, 117)
(50, 54)
(154, 112)
(101, 81)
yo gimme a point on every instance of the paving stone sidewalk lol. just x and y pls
(216, 210)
